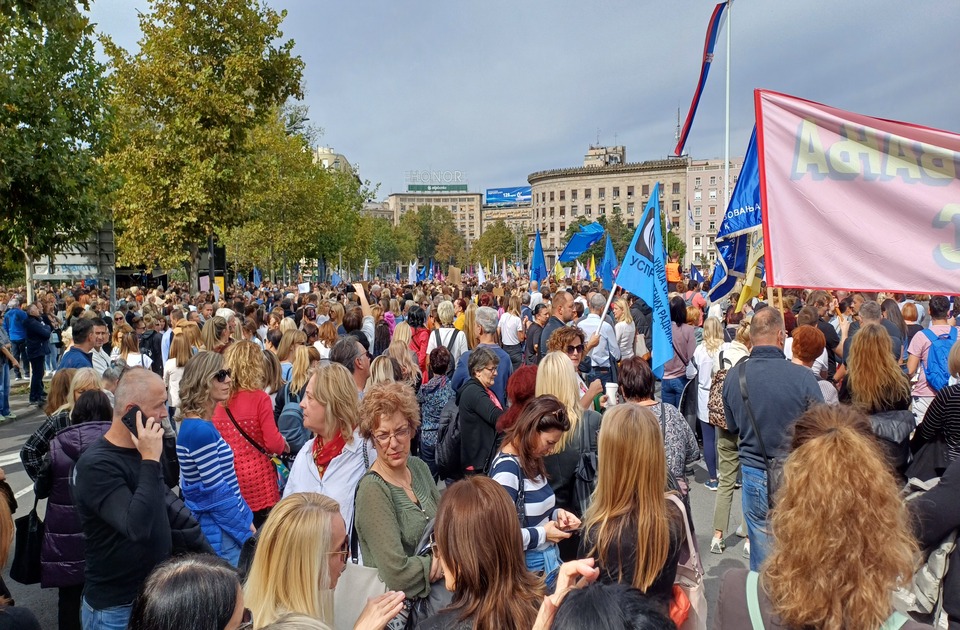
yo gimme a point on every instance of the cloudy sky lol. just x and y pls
(501, 89)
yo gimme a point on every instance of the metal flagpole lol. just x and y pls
(726, 135)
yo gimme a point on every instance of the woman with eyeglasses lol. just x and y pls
(570, 341)
(301, 552)
(479, 411)
(120, 330)
(397, 497)
(208, 480)
(246, 423)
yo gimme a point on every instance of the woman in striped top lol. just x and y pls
(208, 481)
(536, 433)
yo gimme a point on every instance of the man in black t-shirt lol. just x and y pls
(119, 492)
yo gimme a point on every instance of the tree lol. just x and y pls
(207, 73)
(620, 236)
(52, 128)
(497, 240)
(434, 234)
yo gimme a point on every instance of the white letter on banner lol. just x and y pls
(902, 159)
(859, 150)
(809, 152)
(938, 163)
(947, 255)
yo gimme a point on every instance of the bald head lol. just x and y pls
(766, 328)
(142, 388)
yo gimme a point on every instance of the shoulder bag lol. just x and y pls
(26, 551)
(690, 576)
(283, 472)
(774, 465)
(585, 476)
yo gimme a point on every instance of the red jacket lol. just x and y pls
(418, 343)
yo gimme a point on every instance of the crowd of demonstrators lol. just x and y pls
(313, 424)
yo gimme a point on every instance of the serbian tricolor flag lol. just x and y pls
(716, 21)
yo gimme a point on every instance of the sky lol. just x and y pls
(501, 89)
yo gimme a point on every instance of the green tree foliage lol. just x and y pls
(52, 127)
(433, 233)
(500, 241)
(206, 75)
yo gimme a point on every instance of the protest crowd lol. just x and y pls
(485, 455)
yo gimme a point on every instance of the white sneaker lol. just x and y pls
(740, 531)
(746, 549)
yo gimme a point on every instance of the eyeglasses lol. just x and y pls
(221, 375)
(402, 435)
(343, 551)
(572, 349)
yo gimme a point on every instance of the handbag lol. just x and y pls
(585, 476)
(283, 472)
(774, 465)
(26, 551)
(690, 577)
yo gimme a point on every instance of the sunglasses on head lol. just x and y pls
(221, 375)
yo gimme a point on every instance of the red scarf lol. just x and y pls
(323, 454)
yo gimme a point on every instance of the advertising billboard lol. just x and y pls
(437, 188)
(509, 196)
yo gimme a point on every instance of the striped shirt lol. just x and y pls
(943, 420)
(538, 499)
(205, 458)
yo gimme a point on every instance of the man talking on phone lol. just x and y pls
(119, 491)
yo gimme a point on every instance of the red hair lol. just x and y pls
(521, 387)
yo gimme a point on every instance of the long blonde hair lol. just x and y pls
(712, 334)
(301, 368)
(403, 332)
(556, 377)
(195, 385)
(290, 571)
(401, 352)
(333, 387)
(625, 315)
(875, 381)
(631, 477)
(83, 379)
(470, 325)
(289, 339)
(245, 361)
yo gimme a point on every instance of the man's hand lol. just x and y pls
(593, 343)
(573, 574)
(149, 438)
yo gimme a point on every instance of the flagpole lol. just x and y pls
(726, 134)
(606, 307)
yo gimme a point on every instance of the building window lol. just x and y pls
(573, 195)
(676, 188)
(645, 190)
(588, 210)
(712, 226)
(629, 192)
(713, 210)
(629, 208)
(630, 224)
(601, 193)
(696, 226)
(712, 256)
(553, 226)
(696, 241)
(573, 211)
(563, 212)
(696, 211)
(676, 206)
(696, 182)
(563, 227)
(713, 195)
(616, 192)
(563, 195)
(697, 195)
(551, 212)
(551, 195)
(713, 180)
(587, 193)
(602, 209)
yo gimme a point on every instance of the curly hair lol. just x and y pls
(244, 359)
(563, 337)
(843, 577)
(384, 400)
(875, 381)
(195, 385)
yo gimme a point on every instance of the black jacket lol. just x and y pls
(552, 324)
(150, 345)
(562, 467)
(643, 320)
(938, 514)
(478, 421)
(37, 331)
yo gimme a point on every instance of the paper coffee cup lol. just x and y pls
(611, 392)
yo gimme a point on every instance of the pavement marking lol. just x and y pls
(11, 458)
(20, 493)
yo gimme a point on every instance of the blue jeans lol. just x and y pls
(115, 618)
(546, 562)
(52, 355)
(672, 389)
(4, 387)
(755, 508)
(19, 350)
(428, 453)
(710, 448)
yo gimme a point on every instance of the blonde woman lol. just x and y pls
(191, 330)
(706, 360)
(246, 423)
(383, 369)
(301, 552)
(626, 330)
(402, 332)
(287, 324)
(408, 363)
(216, 335)
(336, 316)
(631, 529)
(556, 377)
(180, 353)
(119, 332)
(470, 325)
(292, 393)
(288, 343)
(336, 457)
(208, 480)
(272, 379)
(130, 352)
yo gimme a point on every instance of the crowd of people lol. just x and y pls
(496, 456)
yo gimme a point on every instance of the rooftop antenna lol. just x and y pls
(598, 136)
(677, 138)
(614, 139)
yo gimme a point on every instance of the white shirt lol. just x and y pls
(608, 345)
(339, 481)
(101, 361)
(819, 365)
(509, 326)
(535, 298)
(626, 337)
(459, 344)
(171, 378)
(135, 359)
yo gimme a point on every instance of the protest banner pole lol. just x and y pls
(606, 306)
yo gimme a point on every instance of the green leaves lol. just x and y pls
(498, 240)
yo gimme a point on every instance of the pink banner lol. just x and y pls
(854, 202)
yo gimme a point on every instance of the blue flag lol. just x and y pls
(538, 266)
(398, 273)
(422, 274)
(336, 280)
(607, 265)
(695, 274)
(644, 274)
(581, 241)
(743, 216)
(241, 281)
(256, 277)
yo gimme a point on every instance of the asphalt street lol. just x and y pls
(43, 602)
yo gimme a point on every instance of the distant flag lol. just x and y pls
(580, 273)
(643, 273)
(398, 273)
(503, 273)
(495, 266)
(241, 281)
(690, 220)
(578, 244)
(751, 281)
(666, 220)
(713, 29)
(695, 274)
(608, 265)
(593, 268)
(559, 273)
(422, 274)
(538, 265)
(481, 277)
(335, 279)
(412, 272)
(431, 271)
(256, 277)
(366, 269)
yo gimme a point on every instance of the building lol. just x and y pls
(464, 206)
(605, 181)
(706, 194)
(328, 158)
(518, 218)
(377, 210)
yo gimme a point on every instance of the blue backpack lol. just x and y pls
(935, 370)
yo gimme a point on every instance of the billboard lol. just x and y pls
(509, 196)
(437, 188)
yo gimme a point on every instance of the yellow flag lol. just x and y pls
(751, 281)
(593, 268)
(559, 273)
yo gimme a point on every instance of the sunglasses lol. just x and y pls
(221, 375)
(572, 349)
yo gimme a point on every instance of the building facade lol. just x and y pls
(377, 210)
(606, 181)
(706, 192)
(464, 206)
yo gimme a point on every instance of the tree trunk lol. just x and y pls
(193, 269)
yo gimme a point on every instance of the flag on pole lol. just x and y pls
(580, 272)
(644, 274)
(690, 220)
(256, 277)
(538, 264)
(412, 272)
(495, 265)
(398, 273)
(366, 269)
(558, 272)
(240, 280)
(503, 273)
(607, 265)
(695, 274)
(481, 277)
(593, 268)
(336, 280)
(713, 29)
(581, 241)
(751, 281)
(743, 217)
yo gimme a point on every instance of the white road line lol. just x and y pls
(20, 493)
(11, 458)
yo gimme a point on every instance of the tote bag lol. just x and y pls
(690, 577)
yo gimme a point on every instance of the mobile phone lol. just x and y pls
(130, 419)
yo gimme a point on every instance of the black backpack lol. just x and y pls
(447, 453)
(453, 360)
